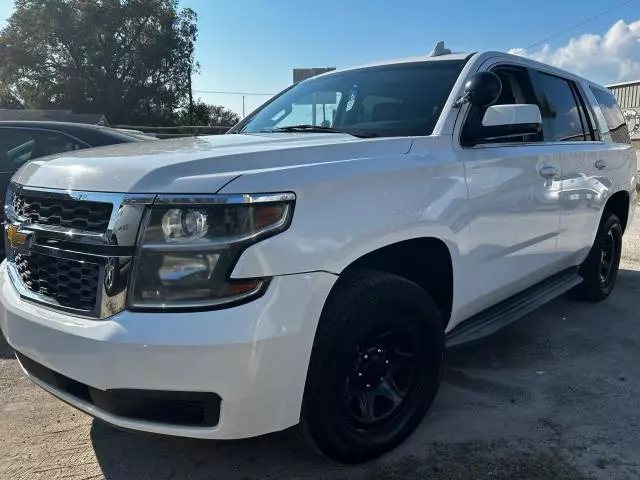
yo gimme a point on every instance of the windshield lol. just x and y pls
(386, 101)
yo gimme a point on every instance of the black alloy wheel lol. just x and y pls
(600, 269)
(375, 366)
(382, 377)
(608, 255)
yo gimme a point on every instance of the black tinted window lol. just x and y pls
(396, 100)
(612, 114)
(561, 116)
(19, 145)
(586, 113)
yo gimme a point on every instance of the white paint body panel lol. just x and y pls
(506, 228)
(418, 194)
(197, 164)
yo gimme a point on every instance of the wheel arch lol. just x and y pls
(619, 203)
(426, 261)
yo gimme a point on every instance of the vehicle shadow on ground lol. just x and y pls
(5, 350)
(125, 455)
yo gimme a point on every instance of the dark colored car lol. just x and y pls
(24, 141)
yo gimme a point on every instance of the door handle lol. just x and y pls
(600, 164)
(548, 171)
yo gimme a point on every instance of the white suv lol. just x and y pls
(311, 266)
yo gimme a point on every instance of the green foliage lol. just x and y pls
(128, 59)
(205, 114)
(222, 116)
(8, 99)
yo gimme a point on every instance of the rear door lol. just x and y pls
(621, 162)
(588, 163)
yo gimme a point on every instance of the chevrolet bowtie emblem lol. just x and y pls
(16, 238)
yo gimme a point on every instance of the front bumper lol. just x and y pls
(253, 356)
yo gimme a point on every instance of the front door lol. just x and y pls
(513, 204)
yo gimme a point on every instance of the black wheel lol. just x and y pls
(600, 269)
(375, 366)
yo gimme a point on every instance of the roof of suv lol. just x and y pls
(398, 61)
(465, 56)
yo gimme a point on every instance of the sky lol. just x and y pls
(253, 45)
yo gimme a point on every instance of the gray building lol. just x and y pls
(628, 96)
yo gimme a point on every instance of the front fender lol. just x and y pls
(345, 210)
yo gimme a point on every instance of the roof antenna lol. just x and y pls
(439, 49)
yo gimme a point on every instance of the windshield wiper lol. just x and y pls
(318, 129)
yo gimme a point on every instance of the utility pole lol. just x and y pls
(190, 98)
(243, 96)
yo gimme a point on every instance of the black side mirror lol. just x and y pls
(483, 89)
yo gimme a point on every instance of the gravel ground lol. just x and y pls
(555, 396)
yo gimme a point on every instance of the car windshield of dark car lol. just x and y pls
(386, 101)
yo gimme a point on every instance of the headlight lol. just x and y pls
(184, 225)
(189, 247)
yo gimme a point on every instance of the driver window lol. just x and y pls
(516, 90)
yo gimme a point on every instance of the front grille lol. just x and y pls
(71, 283)
(63, 212)
(64, 249)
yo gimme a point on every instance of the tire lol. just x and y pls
(600, 268)
(375, 366)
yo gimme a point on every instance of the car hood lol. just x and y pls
(196, 164)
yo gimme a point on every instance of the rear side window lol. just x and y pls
(562, 117)
(612, 114)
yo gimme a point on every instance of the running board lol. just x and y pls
(508, 311)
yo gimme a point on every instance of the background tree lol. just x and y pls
(128, 59)
(222, 116)
(8, 99)
(205, 114)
